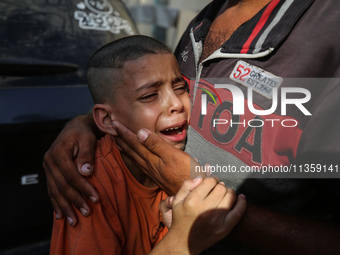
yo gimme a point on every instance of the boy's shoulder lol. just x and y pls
(113, 175)
(109, 167)
(104, 146)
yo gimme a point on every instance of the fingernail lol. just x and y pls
(70, 221)
(197, 178)
(171, 199)
(114, 125)
(93, 199)
(222, 183)
(242, 196)
(86, 168)
(142, 135)
(84, 211)
(57, 216)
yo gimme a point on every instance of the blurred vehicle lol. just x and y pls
(44, 49)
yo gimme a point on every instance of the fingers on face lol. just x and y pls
(128, 141)
(151, 141)
(137, 152)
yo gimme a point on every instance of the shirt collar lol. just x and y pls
(262, 33)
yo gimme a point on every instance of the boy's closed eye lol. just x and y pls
(180, 89)
(148, 97)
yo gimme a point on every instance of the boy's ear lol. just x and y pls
(103, 117)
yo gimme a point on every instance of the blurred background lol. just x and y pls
(44, 49)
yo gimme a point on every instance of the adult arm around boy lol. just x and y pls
(65, 180)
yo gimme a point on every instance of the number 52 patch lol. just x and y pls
(256, 78)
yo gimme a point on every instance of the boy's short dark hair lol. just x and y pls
(103, 67)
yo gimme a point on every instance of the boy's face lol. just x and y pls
(153, 95)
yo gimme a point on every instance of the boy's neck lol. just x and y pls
(139, 175)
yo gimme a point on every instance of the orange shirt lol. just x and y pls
(125, 221)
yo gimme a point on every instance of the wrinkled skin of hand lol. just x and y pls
(166, 165)
(203, 211)
(65, 178)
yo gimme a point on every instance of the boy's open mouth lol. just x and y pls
(175, 133)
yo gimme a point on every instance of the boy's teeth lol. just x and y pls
(171, 128)
(177, 129)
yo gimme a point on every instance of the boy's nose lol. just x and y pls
(175, 104)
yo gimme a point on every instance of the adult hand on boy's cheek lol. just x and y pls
(166, 165)
(65, 184)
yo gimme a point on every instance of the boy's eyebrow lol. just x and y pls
(178, 79)
(148, 85)
(157, 83)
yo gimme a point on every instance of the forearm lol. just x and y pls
(170, 245)
(268, 232)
